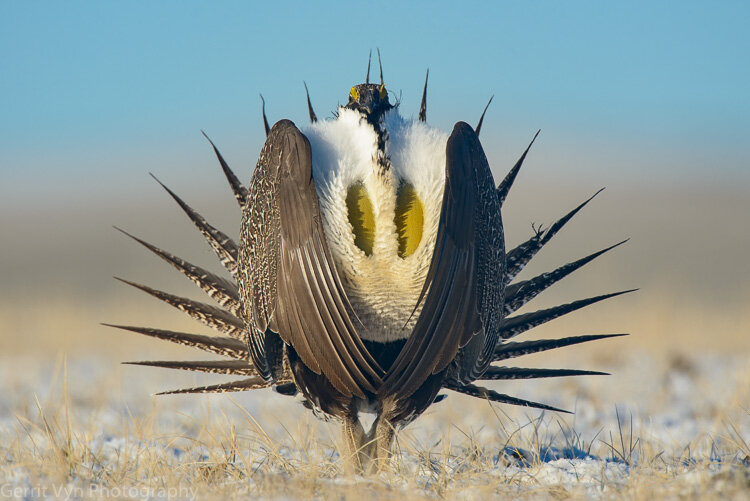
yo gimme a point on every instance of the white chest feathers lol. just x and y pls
(380, 226)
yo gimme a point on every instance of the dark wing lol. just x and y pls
(462, 285)
(305, 301)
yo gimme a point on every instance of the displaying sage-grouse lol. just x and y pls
(370, 274)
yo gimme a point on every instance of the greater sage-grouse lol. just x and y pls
(371, 272)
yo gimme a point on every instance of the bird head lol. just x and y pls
(369, 99)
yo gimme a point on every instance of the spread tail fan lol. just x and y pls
(228, 318)
(519, 293)
(225, 319)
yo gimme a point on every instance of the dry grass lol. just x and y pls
(672, 421)
(90, 429)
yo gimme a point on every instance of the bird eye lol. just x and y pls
(383, 93)
(354, 94)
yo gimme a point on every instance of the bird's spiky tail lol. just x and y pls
(225, 318)
(517, 294)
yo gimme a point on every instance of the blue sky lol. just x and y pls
(95, 94)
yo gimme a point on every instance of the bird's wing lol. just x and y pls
(456, 287)
(312, 312)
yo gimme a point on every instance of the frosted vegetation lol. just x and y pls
(664, 427)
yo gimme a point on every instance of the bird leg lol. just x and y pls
(379, 444)
(380, 438)
(356, 440)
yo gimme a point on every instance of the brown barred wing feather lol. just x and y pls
(462, 290)
(299, 293)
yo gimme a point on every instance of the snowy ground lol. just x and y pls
(664, 427)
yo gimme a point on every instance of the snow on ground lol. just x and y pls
(86, 427)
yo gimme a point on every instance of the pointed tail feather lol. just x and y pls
(423, 106)
(313, 117)
(481, 119)
(497, 373)
(485, 393)
(504, 187)
(219, 289)
(380, 63)
(518, 294)
(224, 246)
(251, 383)
(211, 316)
(224, 346)
(511, 349)
(265, 119)
(514, 326)
(235, 367)
(517, 258)
(369, 59)
(240, 192)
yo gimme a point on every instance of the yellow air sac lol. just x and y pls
(409, 220)
(361, 217)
